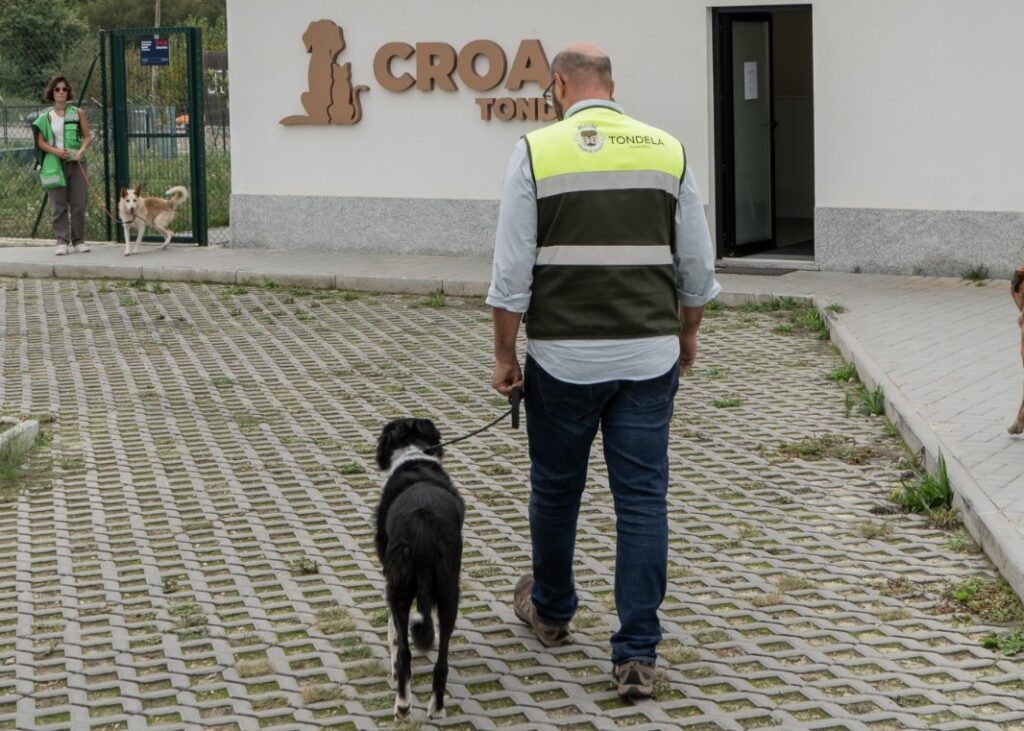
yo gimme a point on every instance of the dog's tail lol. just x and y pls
(421, 622)
(179, 193)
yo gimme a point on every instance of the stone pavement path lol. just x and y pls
(192, 546)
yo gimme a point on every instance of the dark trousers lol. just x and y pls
(69, 203)
(561, 422)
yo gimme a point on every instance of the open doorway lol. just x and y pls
(764, 132)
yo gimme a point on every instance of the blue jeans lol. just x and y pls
(561, 422)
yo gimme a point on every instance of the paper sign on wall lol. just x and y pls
(749, 80)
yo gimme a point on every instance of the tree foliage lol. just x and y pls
(110, 14)
(35, 38)
(39, 37)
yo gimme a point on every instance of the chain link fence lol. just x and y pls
(153, 105)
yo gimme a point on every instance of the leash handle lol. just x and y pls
(515, 398)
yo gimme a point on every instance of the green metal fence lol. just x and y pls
(148, 127)
(155, 115)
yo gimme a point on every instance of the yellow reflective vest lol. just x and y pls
(607, 190)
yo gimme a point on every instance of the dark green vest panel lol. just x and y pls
(582, 302)
(638, 217)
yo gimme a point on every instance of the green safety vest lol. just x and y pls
(72, 127)
(607, 190)
(50, 174)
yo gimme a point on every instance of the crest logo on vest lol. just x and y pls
(589, 138)
(331, 98)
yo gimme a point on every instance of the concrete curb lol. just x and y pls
(18, 440)
(986, 524)
(249, 277)
(983, 520)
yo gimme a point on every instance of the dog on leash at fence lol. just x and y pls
(419, 543)
(1017, 291)
(137, 211)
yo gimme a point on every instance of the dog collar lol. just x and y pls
(410, 454)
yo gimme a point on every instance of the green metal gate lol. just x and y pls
(153, 97)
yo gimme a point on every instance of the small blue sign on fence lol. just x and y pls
(155, 51)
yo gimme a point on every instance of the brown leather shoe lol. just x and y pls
(634, 679)
(550, 635)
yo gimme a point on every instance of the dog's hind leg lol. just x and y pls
(447, 608)
(1017, 427)
(399, 607)
(393, 645)
(167, 237)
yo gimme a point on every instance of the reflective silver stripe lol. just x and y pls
(604, 255)
(608, 180)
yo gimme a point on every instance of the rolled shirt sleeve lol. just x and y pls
(515, 245)
(695, 254)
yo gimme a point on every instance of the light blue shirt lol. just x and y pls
(594, 361)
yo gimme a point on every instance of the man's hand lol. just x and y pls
(690, 318)
(507, 375)
(687, 352)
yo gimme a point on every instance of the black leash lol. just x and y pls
(514, 398)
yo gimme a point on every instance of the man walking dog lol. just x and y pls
(602, 243)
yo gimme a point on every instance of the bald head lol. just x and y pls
(586, 67)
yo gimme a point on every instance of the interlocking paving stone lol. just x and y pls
(204, 498)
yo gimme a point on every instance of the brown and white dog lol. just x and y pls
(137, 211)
(1017, 291)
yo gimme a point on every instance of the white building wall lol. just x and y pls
(917, 123)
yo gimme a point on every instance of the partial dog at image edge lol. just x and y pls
(137, 211)
(419, 543)
(1017, 291)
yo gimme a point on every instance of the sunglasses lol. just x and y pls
(60, 88)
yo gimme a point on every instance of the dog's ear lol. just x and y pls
(1017, 288)
(138, 190)
(124, 192)
(385, 446)
(429, 434)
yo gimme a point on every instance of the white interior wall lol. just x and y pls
(917, 104)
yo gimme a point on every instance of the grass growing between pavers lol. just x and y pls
(218, 438)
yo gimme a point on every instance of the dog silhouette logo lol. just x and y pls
(331, 98)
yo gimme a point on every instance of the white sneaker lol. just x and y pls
(62, 250)
(81, 248)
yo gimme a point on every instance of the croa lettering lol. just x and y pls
(480, 65)
(635, 140)
(333, 98)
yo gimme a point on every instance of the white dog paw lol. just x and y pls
(1016, 428)
(434, 712)
(401, 710)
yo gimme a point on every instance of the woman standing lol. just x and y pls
(63, 132)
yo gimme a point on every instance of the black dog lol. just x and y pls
(419, 543)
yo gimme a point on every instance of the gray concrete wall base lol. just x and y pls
(896, 241)
(375, 225)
